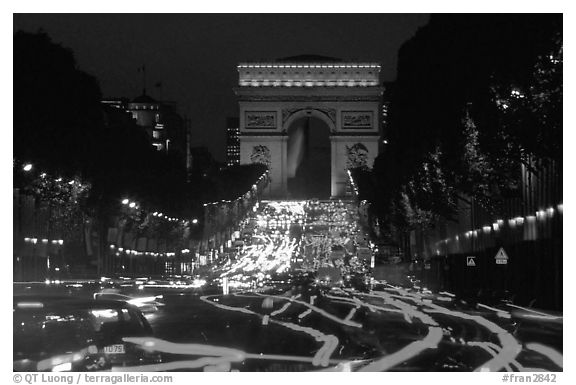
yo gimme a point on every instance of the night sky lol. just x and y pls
(194, 56)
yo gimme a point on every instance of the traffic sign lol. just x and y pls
(470, 261)
(501, 257)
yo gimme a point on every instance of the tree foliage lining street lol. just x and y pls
(61, 127)
(86, 158)
(476, 96)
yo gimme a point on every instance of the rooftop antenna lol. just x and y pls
(143, 70)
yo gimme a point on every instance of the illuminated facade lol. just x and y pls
(275, 96)
(146, 112)
(385, 119)
(165, 128)
(232, 141)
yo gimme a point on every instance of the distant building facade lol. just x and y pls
(165, 128)
(232, 141)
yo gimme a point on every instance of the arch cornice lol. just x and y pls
(309, 94)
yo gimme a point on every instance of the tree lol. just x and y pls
(86, 157)
(475, 96)
(61, 126)
(56, 107)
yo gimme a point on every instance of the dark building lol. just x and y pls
(120, 104)
(388, 89)
(232, 141)
(202, 161)
(165, 128)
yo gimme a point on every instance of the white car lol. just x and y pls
(148, 304)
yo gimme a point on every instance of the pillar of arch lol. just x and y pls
(272, 96)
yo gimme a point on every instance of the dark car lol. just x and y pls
(64, 334)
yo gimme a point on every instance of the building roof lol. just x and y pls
(144, 99)
(309, 59)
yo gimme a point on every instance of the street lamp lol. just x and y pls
(195, 221)
(27, 167)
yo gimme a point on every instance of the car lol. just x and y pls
(67, 334)
(146, 304)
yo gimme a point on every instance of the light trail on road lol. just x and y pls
(501, 357)
(493, 352)
(322, 356)
(217, 355)
(317, 310)
(552, 354)
(510, 347)
(355, 323)
(281, 310)
(430, 341)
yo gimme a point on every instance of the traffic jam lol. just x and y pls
(296, 292)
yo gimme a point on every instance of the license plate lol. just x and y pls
(114, 349)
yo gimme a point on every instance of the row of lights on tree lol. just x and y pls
(27, 167)
(134, 205)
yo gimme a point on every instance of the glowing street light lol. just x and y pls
(125, 201)
(27, 167)
(195, 221)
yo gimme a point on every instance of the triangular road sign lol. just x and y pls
(501, 254)
(470, 261)
(501, 257)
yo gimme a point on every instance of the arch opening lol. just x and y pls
(309, 164)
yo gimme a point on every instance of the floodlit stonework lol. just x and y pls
(273, 96)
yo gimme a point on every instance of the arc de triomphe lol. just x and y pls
(273, 95)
